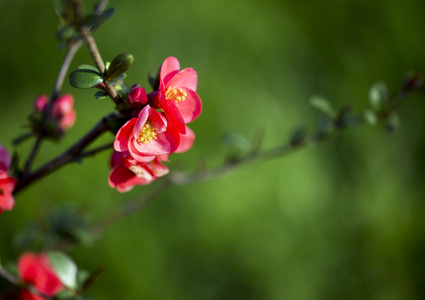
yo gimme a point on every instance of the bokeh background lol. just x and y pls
(342, 220)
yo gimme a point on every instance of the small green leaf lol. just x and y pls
(152, 77)
(101, 95)
(88, 67)
(370, 117)
(82, 277)
(323, 105)
(65, 294)
(122, 90)
(119, 65)
(393, 122)
(64, 33)
(297, 137)
(84, 78)
(236, 141)
(94, 21)
(378, 95)
(118, 80)
(65, 268)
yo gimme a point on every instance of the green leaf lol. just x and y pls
(101, 95)
(370, 117)
(119, 65)
(65, 268)
(323, 105)
(236, 141)
(82, 277)
(393, 122)
(94, 21)
(84, 78)
(65, 294)
(122, 90)
(88, 67)
(64, 33)
(378, 95)
(297, 137)
(58, 5)
(152, 79)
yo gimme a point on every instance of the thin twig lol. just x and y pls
(9, 277)
(129, 208)
(94, 151)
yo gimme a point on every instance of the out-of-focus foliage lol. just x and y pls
(341, 221)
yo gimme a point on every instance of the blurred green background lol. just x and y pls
(343, 220)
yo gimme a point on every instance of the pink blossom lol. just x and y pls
(36, 270)
(127, 172)
(147, 136)
(177, 95)
(7, 183)
(63, 110)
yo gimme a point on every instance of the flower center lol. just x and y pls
(147, 133)
(175, 94)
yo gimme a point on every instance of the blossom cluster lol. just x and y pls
(7, 183)
(157, 127)
(63, 113)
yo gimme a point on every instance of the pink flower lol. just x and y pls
(177, 95)
(36, 270)
(147, 136)
(63, 110)
(127, 172)
(7, 183)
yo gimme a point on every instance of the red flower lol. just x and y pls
(7, 183)
(177, 95)
(127, 172)
(147, 136)
(37, 271)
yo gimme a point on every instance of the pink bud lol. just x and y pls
(137, 97)
(41, 102)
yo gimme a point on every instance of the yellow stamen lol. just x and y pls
(147, 133)
(175, 95)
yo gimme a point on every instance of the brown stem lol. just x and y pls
(95, 54)
(9, 277)
(68, 156)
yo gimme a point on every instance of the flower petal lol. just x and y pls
(7, 186)
(187, 78)
(5, 157)
(186, 141)
(123, 135)
(191, 107)
(169, 68)
(173, 114)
